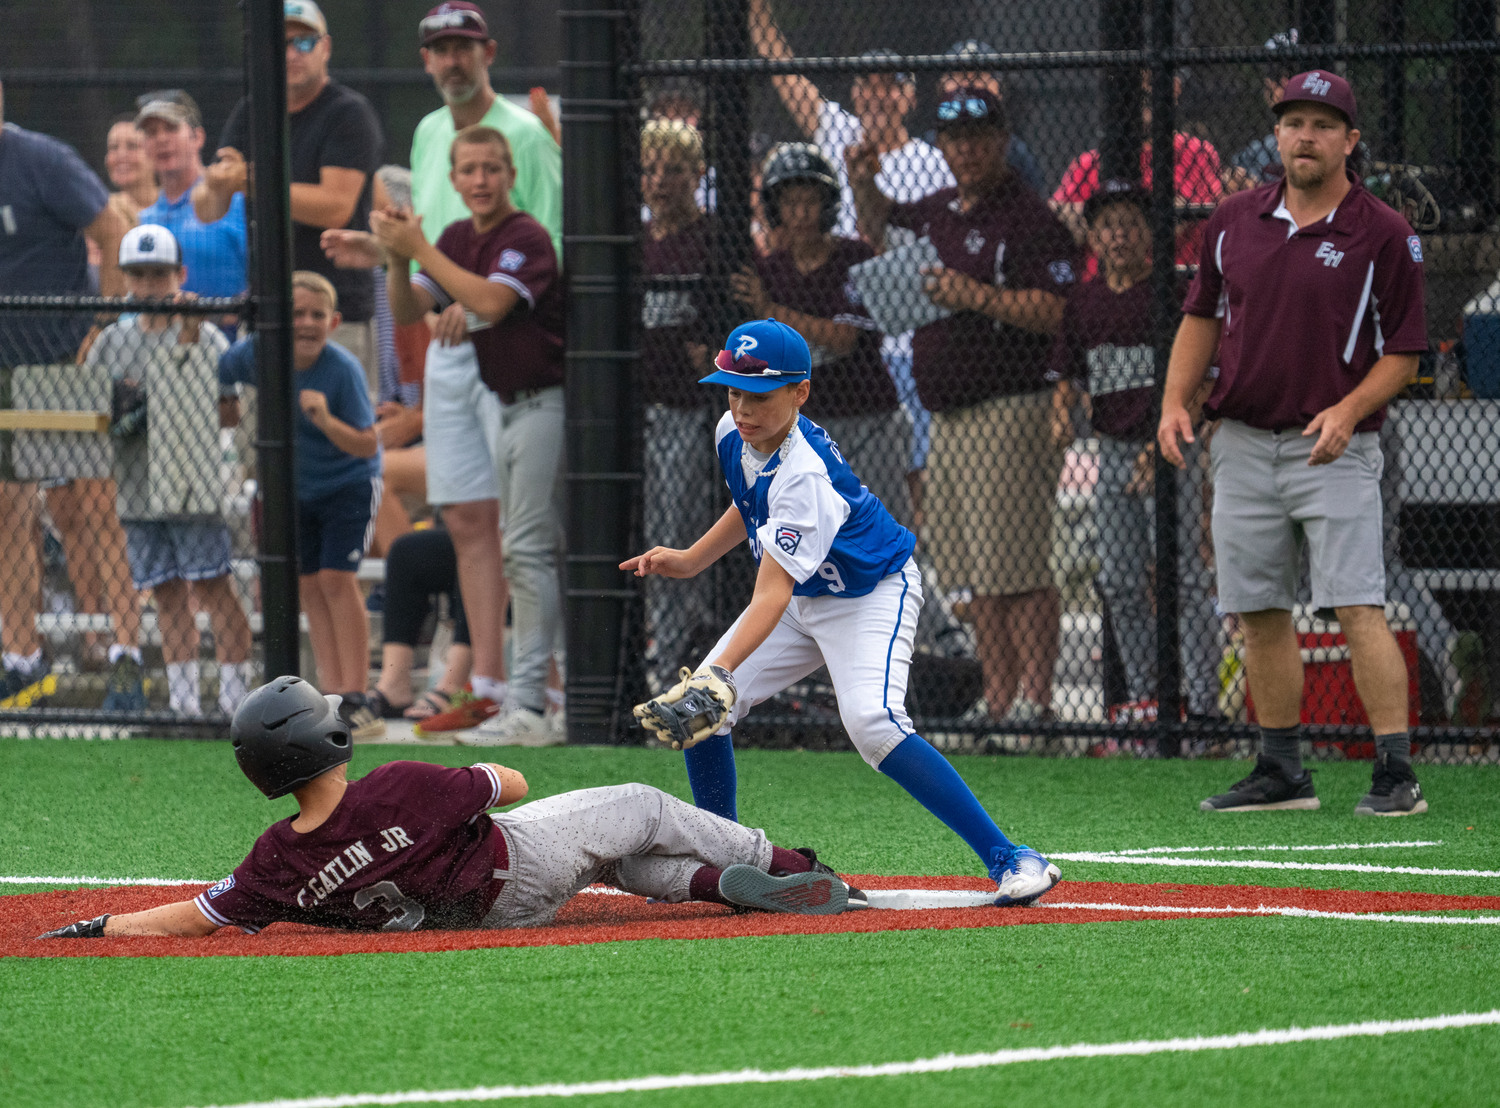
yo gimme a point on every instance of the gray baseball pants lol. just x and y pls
(633, 837)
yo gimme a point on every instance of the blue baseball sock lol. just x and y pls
(710, 770)
(936, 785)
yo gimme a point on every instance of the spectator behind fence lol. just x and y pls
(83, 507)
(806, 285)
(909, 169)
(176, 542)
(675, 105)
(992, 476)
(419, 566)
(1017, 154)
(336, 146)
(499, 265)
(457, 51)
(128, 167)
(338, 489)
(398, 403)
(1288, 286)
(51, 203)
(1260, 160)
(681, 470)
(215, 255)
(1195, 180)
(1104, 357)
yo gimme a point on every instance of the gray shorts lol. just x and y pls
(633, 837)
(1268, 503)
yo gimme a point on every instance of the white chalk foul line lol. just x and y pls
(1276, 910)
(945, 1063)
(1273, 847)
(1257, 863)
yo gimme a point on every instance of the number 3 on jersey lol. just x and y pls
(830, 572)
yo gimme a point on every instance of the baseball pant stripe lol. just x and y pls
(885, 700)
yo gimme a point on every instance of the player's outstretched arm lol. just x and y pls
(179, 920)
(773, 592)
(665, 561)
(1192, 351)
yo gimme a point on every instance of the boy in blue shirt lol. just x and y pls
(837, 586)
(338, 489)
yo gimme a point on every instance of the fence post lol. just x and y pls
(1121, 27)
(1166, 309)
(270, 291)
(598, 235)
(727, 35)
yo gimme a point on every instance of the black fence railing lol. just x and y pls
(1071, 588)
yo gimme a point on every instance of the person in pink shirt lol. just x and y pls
(1196, 179)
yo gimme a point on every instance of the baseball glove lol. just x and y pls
(83, 929)
(691, 710)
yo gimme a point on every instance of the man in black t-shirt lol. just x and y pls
(336, 146)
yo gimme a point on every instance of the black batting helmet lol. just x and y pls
(794, 162)
(285, 733)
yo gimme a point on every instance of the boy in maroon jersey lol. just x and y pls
(408, 846)
(805, 284)
(500, 265)
(1104, 357)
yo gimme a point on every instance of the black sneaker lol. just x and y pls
(857, 899)
(1393, 791)
(1266, 789)
(363, 723)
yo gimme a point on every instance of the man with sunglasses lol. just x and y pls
(336, 147)
(992, 473)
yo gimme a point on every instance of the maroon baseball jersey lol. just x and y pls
(525, 349)
(674, 317)
(408, 847)
(1105, 346)
(853, 385)
(1306, 312)
(1010, 239)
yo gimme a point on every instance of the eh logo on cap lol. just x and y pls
(1316, 85)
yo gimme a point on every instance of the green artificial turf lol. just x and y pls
(174, 1033)
(228, 1030)
(182, 809)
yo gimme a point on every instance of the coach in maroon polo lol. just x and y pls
(1311, 290)
(992, 472)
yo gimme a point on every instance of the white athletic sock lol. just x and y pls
(119, 650)
(182, 688)
(232, 687)
(490, 687)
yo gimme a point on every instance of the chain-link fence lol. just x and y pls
(921, 193)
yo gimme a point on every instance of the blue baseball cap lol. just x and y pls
(761, 355)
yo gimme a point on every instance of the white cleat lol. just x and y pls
(519, 727)
(1024, 878)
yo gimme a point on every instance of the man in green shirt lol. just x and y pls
(457, 51)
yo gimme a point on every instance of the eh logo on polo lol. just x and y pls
(788, 539)
(973, 241)
(1330, 256)
(746, 344)
(1316, 85)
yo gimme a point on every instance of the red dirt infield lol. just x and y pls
(592, 918)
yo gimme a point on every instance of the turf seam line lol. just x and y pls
(941, 1064)
(1277, 910)
(1260, 863)
(1273, 847)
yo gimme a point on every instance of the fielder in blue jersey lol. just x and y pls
(839, 588)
